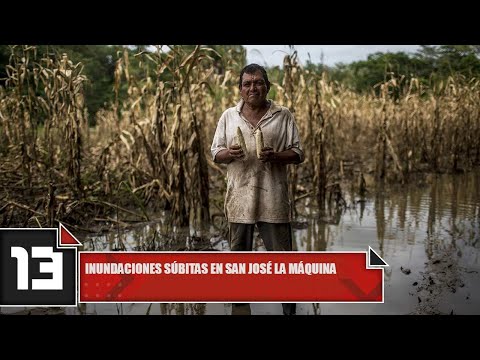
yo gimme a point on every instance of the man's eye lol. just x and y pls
(246, 84)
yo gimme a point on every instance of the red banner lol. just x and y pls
(229, 277)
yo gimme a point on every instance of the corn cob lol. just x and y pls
(241, 141)
(259, 141)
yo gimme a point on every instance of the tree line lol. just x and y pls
(429, 64)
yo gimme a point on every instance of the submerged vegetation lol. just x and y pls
(149, 149)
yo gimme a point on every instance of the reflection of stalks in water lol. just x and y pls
(431, 220)
(322, 239)
(362, 210)
(320, 235)
(165, 309)
(82, 308)
(336, 195)
(180, 309)
(149, 308)
(183, 309)
(362, 187)
(453, 212)
(198, 309)
(380, 217)
(317, 310)
(119, 308)
(191, 309)
(111, 242)
(311, 234)
(152, 245)
(402, 210)
(120, 246)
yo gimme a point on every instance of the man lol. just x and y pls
(257, 191)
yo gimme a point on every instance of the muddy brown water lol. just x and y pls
(427, 232)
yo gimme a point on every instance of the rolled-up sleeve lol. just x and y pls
(293, 138)
(219, 140)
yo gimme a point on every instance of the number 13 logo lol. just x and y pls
(55, 268)
(38, 267)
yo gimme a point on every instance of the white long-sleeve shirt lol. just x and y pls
(257, 191)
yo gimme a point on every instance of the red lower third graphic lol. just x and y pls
(231, 277)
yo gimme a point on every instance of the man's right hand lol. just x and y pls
(226, 156)
(236, 152)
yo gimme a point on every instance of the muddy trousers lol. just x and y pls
(276, 237)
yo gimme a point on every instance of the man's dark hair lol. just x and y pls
(252, 69)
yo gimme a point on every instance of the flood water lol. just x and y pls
(427, 232)
(432, 229)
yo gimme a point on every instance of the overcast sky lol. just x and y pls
(271, 55)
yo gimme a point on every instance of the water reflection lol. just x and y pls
(432, 229)
(421, 228)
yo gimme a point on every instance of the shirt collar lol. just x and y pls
(274, 108)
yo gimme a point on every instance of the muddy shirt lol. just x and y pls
(257, 191)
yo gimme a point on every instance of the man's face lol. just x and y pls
(254, 89)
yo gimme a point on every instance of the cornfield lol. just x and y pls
(150, 153)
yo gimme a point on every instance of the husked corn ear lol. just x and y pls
(259, 141)
(241, 140)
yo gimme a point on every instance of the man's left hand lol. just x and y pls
(267, 155)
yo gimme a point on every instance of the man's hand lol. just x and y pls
(236, 152)
(282, 157)
(226, 156)
(267, 154)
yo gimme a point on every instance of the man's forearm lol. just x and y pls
(223, 157)
(282, 157)
(285, 157)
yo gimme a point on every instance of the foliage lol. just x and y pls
(429, 64)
